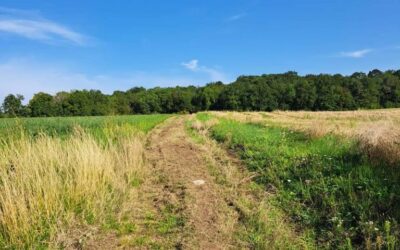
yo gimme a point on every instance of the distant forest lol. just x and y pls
(287, 91)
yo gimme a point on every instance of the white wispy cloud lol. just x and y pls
(33, 14)
(27, 76)
(30, 25)
(236, 17)
(356, 53)
(191, 65)
(214, 74)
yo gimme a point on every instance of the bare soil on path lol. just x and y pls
(183, 186)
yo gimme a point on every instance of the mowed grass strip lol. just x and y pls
(325, 184)
(59, 177)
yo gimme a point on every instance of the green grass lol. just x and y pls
(98, 126)
(324, 185)
(203, 117)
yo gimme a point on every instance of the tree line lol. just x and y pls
(287, 91)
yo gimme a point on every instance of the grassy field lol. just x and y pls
(60, 176)
(341, 183)
(63, 126)
(324, 180)
(339, 122)
(376, 131)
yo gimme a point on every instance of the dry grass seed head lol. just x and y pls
(47, 180)
(381, 142)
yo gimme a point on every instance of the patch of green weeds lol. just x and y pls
(323, 184)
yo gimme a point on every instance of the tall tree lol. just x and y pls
(12, 106)
(305, 96)
(42, 104)
(390, 92)
(120, 103)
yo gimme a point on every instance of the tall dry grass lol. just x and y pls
(47, 185)
(347, 123)
(381, 142)
(376, 131)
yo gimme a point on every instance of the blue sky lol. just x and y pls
(108, 45)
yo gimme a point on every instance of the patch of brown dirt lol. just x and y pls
(207, 221)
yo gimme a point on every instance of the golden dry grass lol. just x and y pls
(381, 142)
(377, 131)
(343, 122)
(47, 185)
(203, 127)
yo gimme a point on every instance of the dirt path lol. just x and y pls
(197, 196)
(203, 219)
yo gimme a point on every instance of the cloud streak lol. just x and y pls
(356, 53)
(214, 75)
(236, 17)
(28, 25)
(192, 65)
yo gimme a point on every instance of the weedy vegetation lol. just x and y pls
(261, 224)
(343, 186)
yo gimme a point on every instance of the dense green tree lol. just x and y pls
(343, 98)
(136, 90)
(284, 89)
(359, 75)
(12, 106)
(266, 100)
(390, 92)
(42, 104)
(229, 98)
(165, 99)
(267, 92)
(146, 103)
(305, 95)
(182, 99)
(375, 73)
(325, 93)
(86, 103)
(206, 97)
(120, 103)
(371, 95)
(61, 104)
